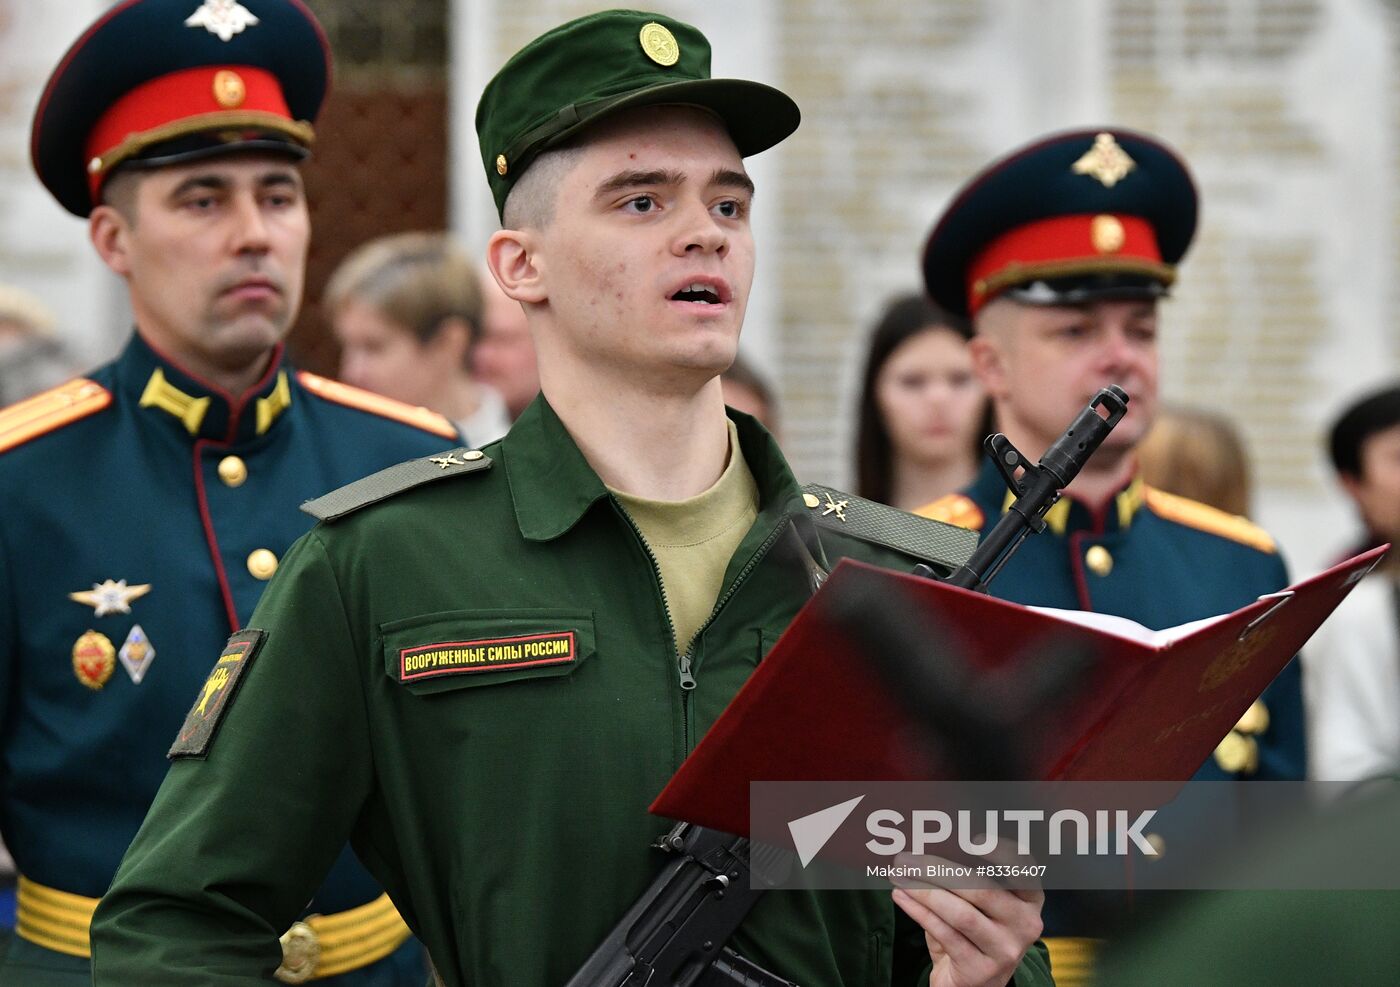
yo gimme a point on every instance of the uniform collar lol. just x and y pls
(1069, 513)
(164, 391)
(553, 486)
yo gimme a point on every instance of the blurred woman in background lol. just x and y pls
(406, 310)
(1198, 454)
(922, 412)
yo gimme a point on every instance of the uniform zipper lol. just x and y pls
(685, 661)
(683, 666)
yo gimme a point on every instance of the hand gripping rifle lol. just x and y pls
(674, 935)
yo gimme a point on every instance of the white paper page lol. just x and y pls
(1130, 629)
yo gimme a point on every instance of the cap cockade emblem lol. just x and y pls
(222, 17)
(660, 45)
(1105, 161)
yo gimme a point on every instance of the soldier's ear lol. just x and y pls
(988, 363)
(517, 265)
(109, 232)
(1351, 484)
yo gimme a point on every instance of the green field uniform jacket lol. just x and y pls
(475, 682)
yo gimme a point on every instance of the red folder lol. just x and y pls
(1149, 707)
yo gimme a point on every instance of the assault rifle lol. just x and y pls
(675, 934)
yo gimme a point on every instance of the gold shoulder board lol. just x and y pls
(376, 404)
(954, 509)
(50, 410)
(1203, 517)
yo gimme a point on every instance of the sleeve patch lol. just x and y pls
(50, 410)
(1203, 517)
(377, 404)
(954, 509)
(216, 695)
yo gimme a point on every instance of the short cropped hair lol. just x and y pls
(531, 202)
(417, 280)
(1374, 413)
(119, 192)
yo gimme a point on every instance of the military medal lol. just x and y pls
(136, 654)
(110, 596)
(222, 17)
(94, 658)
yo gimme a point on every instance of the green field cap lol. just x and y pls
(575, 74)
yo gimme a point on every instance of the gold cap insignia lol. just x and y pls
(224, 18)
(811, 500)
(229, 90)
(1105, 161)
(660, 45)
(501, 166)
(94, 659)
(1107, 234)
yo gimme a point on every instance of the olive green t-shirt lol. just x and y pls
(693, 540)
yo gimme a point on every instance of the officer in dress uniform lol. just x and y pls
(148, 503)
(1059, 253)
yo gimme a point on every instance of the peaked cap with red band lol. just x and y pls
(157, 82)
(1073, 217)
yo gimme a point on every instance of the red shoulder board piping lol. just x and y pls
(954, 509)
(376, 404)
(1203, 517)
(50, 410)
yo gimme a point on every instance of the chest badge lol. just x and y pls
(136, 654)
(110, 596)
(94, 659)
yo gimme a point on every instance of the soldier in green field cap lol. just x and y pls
(482, 667)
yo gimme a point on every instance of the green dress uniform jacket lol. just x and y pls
(143, 512)
(476, 682)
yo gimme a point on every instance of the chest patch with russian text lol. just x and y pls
(486, 655)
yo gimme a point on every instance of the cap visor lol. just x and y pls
(757, 116)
